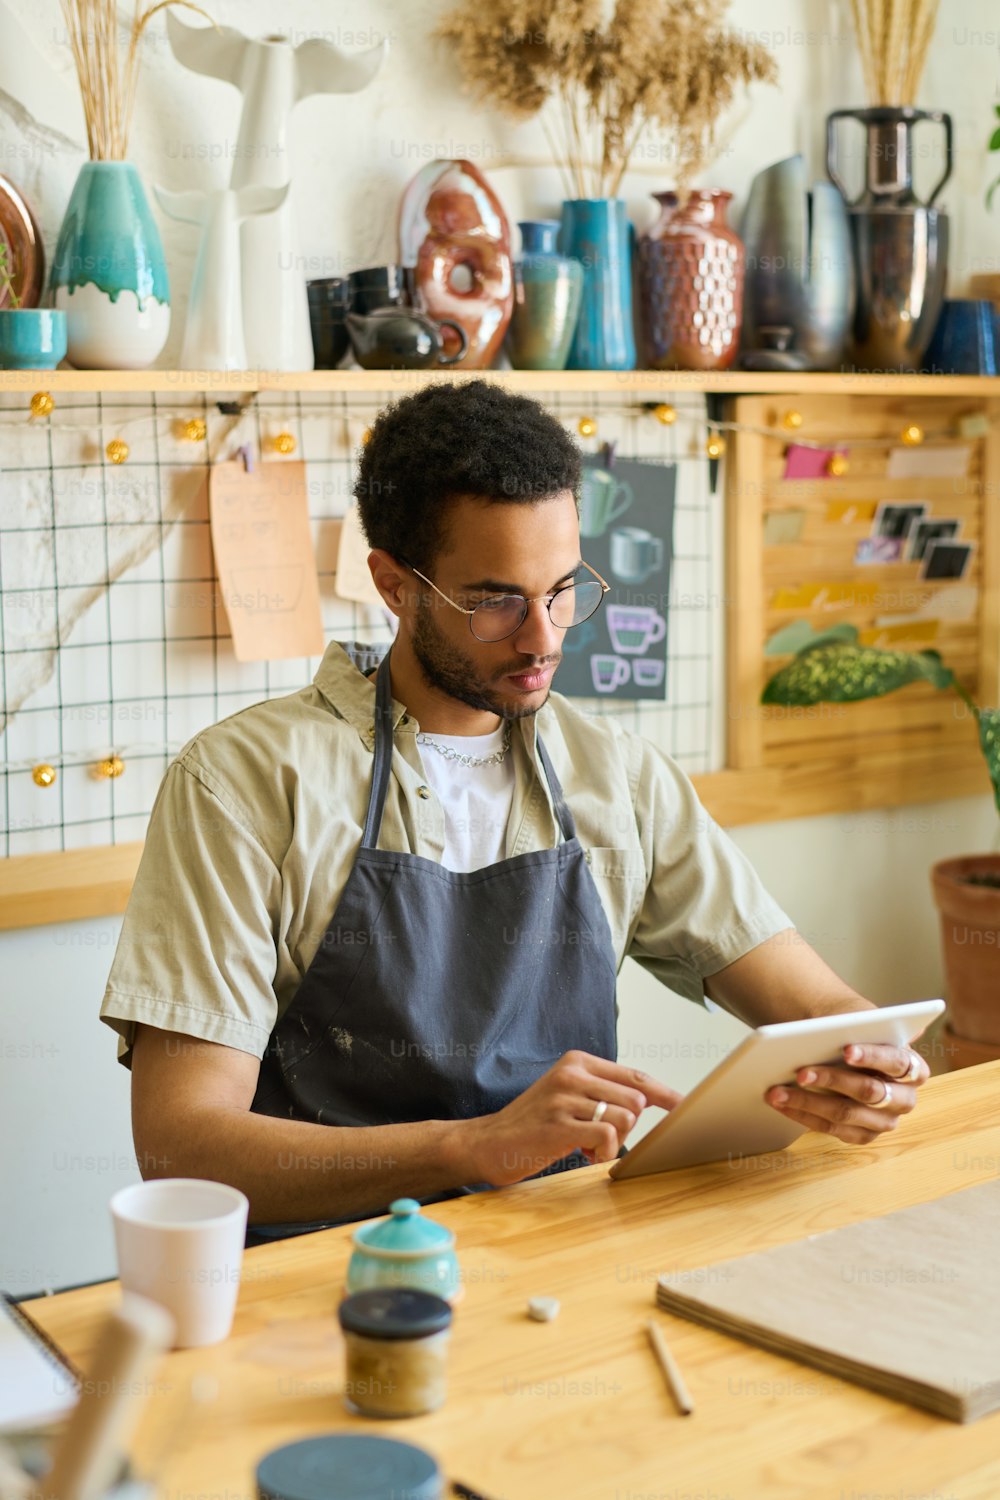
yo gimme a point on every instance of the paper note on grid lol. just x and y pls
(264, 555)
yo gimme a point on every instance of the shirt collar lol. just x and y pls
(341, 678)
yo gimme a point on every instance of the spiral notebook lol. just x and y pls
(38, 1384)
(908, 1303)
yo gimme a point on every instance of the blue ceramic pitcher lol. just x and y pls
(597, 232)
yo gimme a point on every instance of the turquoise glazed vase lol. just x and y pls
(405, 1250)
(597, 232)
(108, 274)
(547, 291)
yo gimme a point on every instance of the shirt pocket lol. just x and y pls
(620, 877)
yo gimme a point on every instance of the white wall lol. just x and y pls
(856, 885)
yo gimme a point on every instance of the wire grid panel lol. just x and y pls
(113, 639)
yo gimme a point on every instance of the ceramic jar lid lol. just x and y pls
(394, 1313)
(348, 1466)
(406, 1232)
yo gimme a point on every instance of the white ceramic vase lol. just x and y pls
(213, 332)
(273, 76)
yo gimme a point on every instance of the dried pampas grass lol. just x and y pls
(107, 83)
(894, 38)
(598, 87)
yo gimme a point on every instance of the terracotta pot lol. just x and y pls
(691, 273)
(970, 935)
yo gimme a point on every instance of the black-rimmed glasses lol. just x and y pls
(500, 615)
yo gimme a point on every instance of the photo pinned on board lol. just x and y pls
(896, 519)
(946, 560)
(931, 530)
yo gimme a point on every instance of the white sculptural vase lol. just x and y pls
(273, 76)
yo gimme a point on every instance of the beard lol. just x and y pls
(448, 669)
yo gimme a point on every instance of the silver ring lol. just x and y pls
(913, 1071)
(600, 1110)
(887, 1100)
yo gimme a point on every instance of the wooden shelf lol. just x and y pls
(631, 382)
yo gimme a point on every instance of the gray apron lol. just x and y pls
(440, 994)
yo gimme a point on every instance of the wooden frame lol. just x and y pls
(80, 883)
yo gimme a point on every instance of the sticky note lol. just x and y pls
(847, 512)
(265, 560)
(354, 579)
(929, 463)
(783, 526)
(887, 636)
(808, 463)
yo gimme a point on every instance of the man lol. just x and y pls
(372, 945)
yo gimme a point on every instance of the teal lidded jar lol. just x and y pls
(547, 291)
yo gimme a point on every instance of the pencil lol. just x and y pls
(672, 1375)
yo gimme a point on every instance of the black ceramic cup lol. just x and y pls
(329, 300)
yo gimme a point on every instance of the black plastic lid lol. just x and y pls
(394, 1313)
(348, 1466)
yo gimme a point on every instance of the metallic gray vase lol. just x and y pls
(800, 269)
(900, 243)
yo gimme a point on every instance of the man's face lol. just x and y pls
(496, 548)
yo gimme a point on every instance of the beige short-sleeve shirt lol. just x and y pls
(257, 823)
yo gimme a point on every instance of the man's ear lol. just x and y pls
(390, 578)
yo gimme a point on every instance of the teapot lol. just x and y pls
(402, 338)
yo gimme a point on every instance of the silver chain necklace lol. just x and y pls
(469, 760)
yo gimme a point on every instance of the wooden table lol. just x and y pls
(577, 1409)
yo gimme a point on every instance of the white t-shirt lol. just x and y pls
(476, 799)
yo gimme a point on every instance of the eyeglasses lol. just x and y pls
(500, 615)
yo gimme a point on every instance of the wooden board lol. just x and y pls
(764, 577)
(932, 1271)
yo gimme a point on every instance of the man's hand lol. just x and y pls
(859, 1102)
(555, 1116)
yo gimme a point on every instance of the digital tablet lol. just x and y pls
(726, 1114)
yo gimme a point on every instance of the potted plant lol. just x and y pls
(31, 338)
(832, 668)
(599, 75)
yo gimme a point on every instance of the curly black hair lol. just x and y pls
(449, 440)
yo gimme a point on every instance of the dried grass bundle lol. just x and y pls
(894, 38)
(598, 87)
(107, 82)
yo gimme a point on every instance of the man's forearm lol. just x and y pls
(296, 1172)
(782, 979)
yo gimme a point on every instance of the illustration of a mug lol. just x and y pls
(634, 628)
(648, 671)
(603, 498)
(608, 672)
(635, 553)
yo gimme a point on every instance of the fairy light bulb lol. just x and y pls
(837, 465)
(117, 451)
(194, 430)
(284, 443)
(41, 404)
(586, 427)
(665, 414)
(715, 447)
(912, 435)
(792, 420)
(110, 768)
(43, 775)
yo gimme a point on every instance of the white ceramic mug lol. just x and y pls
(180, 1243)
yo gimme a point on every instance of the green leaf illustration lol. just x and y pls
(841, 673)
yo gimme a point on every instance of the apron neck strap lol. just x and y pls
(383, 766)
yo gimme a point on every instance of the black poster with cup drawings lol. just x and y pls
(627, 534)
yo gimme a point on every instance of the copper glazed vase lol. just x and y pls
(691, 273)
